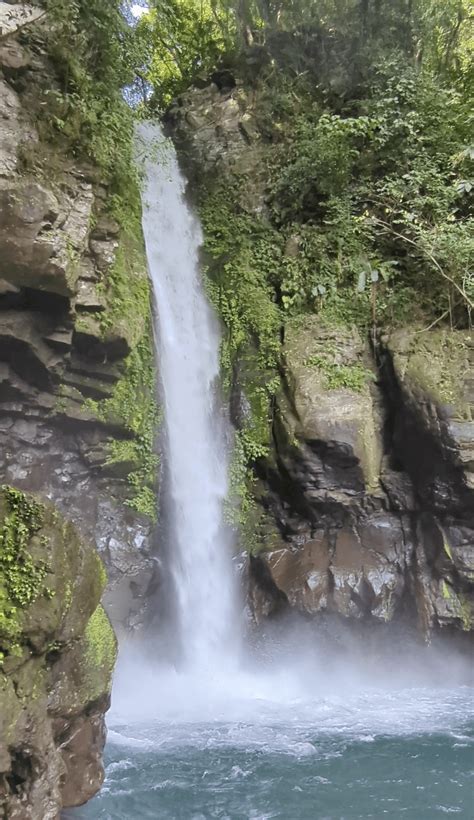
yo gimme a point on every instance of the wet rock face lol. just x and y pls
(43, 234)
(432, 379)
(69, 466)
(331, 411)
(370, 484)
(57, 653)
(61, 343)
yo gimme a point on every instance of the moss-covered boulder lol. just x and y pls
(328, 415)
(57, 653)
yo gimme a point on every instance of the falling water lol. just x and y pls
(308, 730)
(188, 347)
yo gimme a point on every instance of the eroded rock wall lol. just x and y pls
(371, 484)
(69, 340)
(367, 493)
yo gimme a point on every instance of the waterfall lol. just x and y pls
(187, 336)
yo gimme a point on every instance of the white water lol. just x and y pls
(287, 735)
(298, 682)
(188, 351)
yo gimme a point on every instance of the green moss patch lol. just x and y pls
(21, 578)
(100, 652)
(134, 406)
(351, 377)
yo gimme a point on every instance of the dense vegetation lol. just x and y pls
(365, 107)
(370, 124)
(370, 120)
(369, 111)
(365, 116)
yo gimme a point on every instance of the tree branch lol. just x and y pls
(429, 255)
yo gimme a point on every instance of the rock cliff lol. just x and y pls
(366, 489)
(370, 485)
(77, 412)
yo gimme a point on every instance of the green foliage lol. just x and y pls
(127, 285)
(376, 197)
(183, 39)
(86, 116)
(21, 578)
(241, 510)
(245, 264)
(244, 257)
(99, 656)
(133, 404)
(319, 159)
(240, 506)
(353, 377)
(180, 41)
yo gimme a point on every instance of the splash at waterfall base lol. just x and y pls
(297, 721)
(298, 734)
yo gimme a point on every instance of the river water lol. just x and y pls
(265, 746)
(289, 730)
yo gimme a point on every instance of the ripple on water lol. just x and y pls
(360, 754)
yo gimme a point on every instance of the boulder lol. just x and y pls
(24, 340)
(328, 422)
(43, 234)
(13, 57)
(357, 572)
(432, 378)
(14, 129)
(57, 651)
(218, 132)
(14, 16)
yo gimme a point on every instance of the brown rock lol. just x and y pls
(13, 56)
(42, 238)
(303, 574)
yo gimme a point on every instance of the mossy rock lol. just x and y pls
(83, 674)
(435, 366)
(57, 654)
(50, 581)
(328, 398)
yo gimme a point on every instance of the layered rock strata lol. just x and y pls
(64, 337)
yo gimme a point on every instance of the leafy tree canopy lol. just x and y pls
(181, 40)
